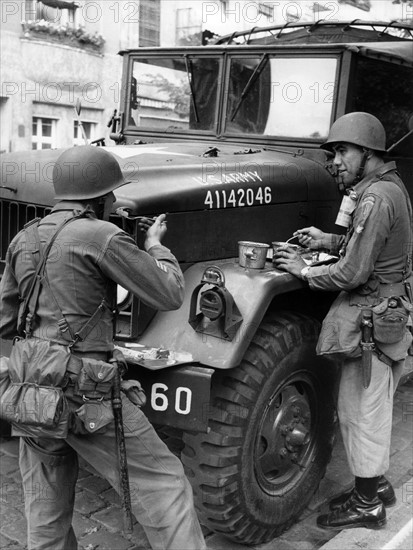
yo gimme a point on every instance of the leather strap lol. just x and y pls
(29, 305)
(383, 357)
(40, 279)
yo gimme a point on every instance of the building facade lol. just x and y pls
(59, 53)
(185, 22)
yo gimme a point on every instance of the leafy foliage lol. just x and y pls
(177, 94)
(408, 2)
(78, 34)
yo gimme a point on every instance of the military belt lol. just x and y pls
(386, 290)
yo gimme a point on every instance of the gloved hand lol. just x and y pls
(134, 392)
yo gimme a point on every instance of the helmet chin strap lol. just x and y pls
(106, 208)
(360, 171)
(102, 207)
(342, 187)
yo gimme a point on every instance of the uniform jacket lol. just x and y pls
(87, 260)
(374, 251)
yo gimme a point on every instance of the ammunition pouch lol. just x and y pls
(93, 417)
(94, 384)
(341, 335)
(34, 402)
(95, 378)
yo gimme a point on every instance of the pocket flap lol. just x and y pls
(381, 307)
(95, 416)
(98, 371)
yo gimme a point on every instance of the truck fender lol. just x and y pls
(252, 291)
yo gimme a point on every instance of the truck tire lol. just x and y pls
(272, 427)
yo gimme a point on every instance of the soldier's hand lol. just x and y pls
(287, 259)
(156, 232)
(134, 392)
(310, 237)
(145, 223)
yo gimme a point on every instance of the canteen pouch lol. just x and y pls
(34, 401)
(390, 320)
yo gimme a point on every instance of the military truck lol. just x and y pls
(225, 139)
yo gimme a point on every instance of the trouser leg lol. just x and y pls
(49, 469)
(161, 496)
(365, 416)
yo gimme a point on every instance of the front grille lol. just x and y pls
(13, 217)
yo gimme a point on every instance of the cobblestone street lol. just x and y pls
(98, 517)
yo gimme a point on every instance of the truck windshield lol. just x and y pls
(174, 93)
(281, 96)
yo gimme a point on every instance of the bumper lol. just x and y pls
(176, 396)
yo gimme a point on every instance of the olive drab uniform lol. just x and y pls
(88, 259)
(374, 260)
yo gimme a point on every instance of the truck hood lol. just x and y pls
(178, 177)
(183, 177)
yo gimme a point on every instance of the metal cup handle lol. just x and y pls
(250, 256)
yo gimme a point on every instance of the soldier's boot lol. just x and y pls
(356, 511)
(385, 492)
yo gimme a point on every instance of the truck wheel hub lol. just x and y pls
(283, 437)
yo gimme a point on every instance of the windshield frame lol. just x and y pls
(224, 54)
(185, 56)
(259, 56)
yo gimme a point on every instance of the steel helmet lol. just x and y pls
(86, 172)
(358, 128)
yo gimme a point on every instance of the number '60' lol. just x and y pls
(160, 402)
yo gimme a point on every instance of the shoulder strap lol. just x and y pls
(392, 175)
(395, 178)
(29, 306)
(40, 279)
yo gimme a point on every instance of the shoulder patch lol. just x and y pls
(161, 266)
(366, 207)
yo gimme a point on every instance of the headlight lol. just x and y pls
(212, 304)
